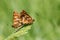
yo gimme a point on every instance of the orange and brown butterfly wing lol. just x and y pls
(26, 19)
(16, 18)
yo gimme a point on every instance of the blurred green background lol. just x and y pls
(45, 12)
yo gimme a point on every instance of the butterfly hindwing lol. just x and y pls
(16, 18)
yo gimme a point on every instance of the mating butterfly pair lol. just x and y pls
(21, 19)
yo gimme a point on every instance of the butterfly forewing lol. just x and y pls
(26, 19)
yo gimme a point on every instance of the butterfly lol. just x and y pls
(20, 19)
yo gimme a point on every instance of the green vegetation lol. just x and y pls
(45, 12)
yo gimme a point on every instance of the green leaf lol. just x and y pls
(19, 33)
